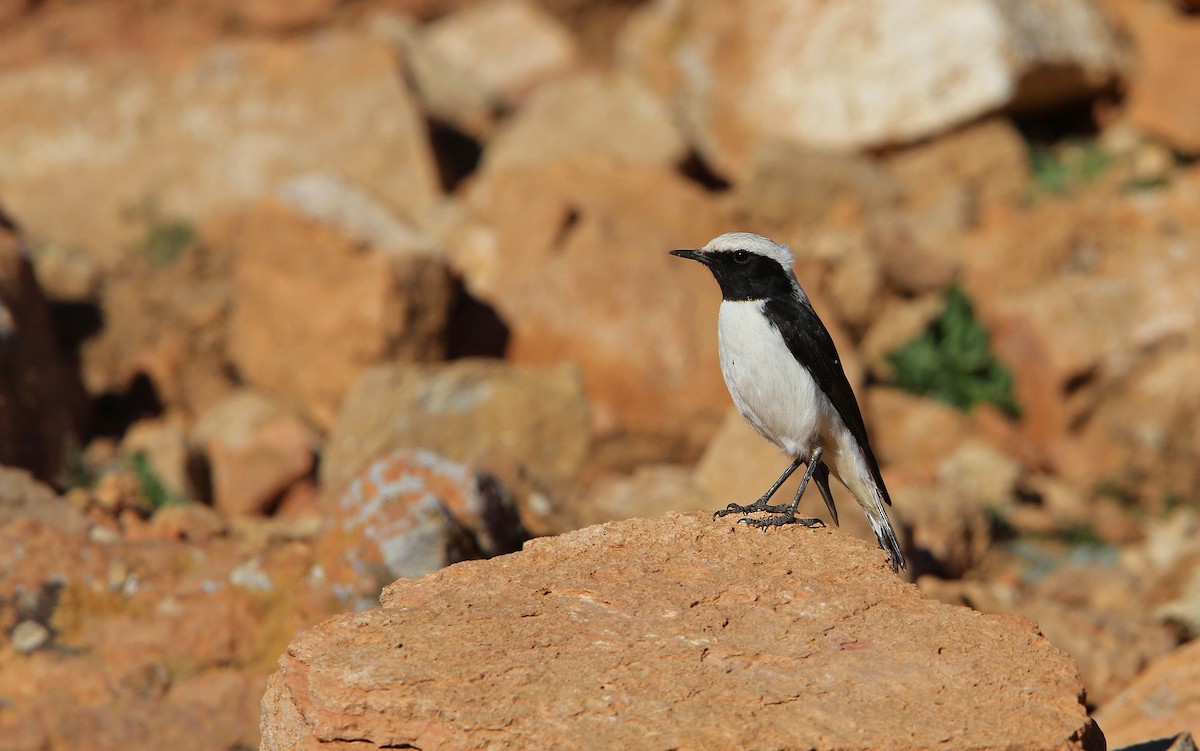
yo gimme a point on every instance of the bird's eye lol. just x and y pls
(741, 256)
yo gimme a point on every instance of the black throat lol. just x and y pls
(759, 278)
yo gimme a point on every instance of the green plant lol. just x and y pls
(1080, 534)
(150, 485)
(1110, 488)
(166, 239)
(951, 361)
(1062, 168)
(77, 473)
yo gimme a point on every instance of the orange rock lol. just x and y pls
(187, 521)
(376, 305)
(154, 643)
(507, 46)
(738, 76)
(264, 101)
(408, 513)
(568, 254)
(1164, 96)
(256, 449)
(467, 411)
(686, 631)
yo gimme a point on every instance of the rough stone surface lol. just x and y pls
(677, 632)
(218, 129)
(1097, 612)
(467, 411)
(1160, 702)
(40, 398)
(313, 308)
(856, 74)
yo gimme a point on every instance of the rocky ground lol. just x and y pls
(298, 299)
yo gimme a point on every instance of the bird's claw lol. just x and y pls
(750, 508)
(734, 508)
(779, 521)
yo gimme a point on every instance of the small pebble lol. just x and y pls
(28, 636)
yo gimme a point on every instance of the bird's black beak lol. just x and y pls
(695, 255)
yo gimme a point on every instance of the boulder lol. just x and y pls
(313, 307)
(449, 93)
(573, 258)
(507, 47)
(677, 632)
(789, 184)
(41, 403)
(215, 129)
(1161, 701)
(255, 450)
(1091, 303)
(861, 74)
(163, 443)
(1164, 97)
(408, 513)
(912, 431)
(277, 15)
(591, 113)
(22, 496)
(471, 411)
(162, 345)
(986, 163)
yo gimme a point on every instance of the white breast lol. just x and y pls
(772, 391)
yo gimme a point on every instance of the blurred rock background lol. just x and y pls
(300, 297)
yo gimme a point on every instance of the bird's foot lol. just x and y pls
(750, 508)
(787, 516)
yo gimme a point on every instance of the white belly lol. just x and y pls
(772, 391)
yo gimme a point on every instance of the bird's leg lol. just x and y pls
(788, 515)
(761, 503)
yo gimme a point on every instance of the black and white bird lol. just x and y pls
(785, 376)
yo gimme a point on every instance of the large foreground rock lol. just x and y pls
(674, 632)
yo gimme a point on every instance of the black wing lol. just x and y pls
(811, 345)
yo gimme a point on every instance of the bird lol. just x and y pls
(786, 379)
